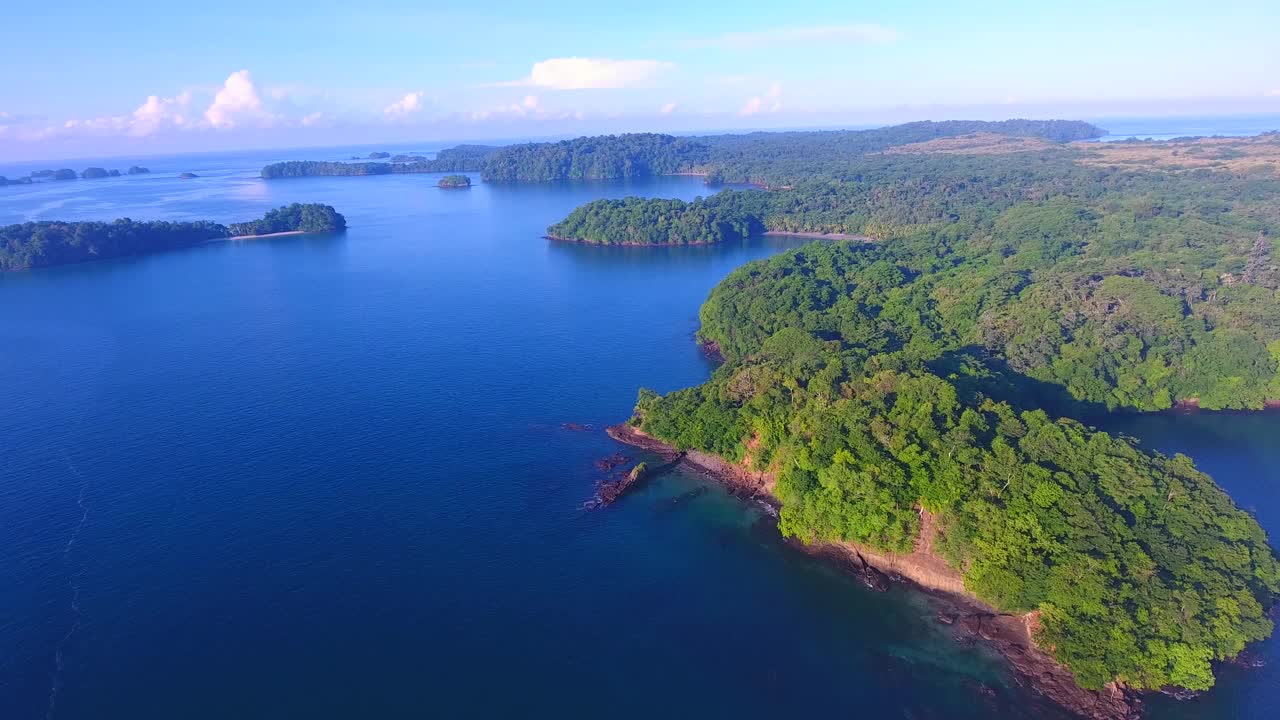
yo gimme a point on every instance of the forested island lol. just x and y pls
(913, 395)
(454, 182)
(48, 243)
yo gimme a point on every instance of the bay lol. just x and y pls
(329, 476)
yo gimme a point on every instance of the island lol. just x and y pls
(656, 221)
(16, 181)
(48, 243)
(454, 182)
(909, 404)
(187, 176)
(65, 174)
(378, 155)
(137, 170)
(95, 172)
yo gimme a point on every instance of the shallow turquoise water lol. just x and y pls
(327, 477)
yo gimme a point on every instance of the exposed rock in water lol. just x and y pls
(1248, 659)
(1180, 694)
(610, 490)
(577, 427)
(605, 464)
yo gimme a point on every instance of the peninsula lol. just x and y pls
(48, 243)
(912, 398)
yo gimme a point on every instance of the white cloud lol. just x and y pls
(576, 73)
(314, 119)
(158, 112)
(667, 109)
(531, 101)
(864, 34)
(237, 99)
(771, 101)
(410, 103)
(1273, 93)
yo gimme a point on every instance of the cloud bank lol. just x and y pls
(580, 73)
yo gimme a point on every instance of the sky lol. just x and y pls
(88, 78)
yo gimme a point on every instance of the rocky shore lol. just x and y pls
(1011, 635)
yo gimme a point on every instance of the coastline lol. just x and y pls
(267, 235)
(818, 235)
(557, 238)
(1010, 635)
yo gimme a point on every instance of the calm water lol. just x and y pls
(326, 477)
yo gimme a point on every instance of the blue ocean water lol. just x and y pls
(328, 477)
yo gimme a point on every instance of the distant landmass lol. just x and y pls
(722, 158)
(91, 173)
(454, 181)
(48, 243)
(463, 158)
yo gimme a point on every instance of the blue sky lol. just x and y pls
(100, 78)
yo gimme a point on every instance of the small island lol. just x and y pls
(454, 182)
(187, 176)
(65, 174)
(137, 170)
(47, 243)
(657, 221)
(379, 155)
(95, 172)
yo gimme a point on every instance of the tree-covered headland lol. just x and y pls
(922, 379)
(47, 243)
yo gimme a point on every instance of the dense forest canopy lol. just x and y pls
(902, 386)
(1129, 289)
(641, 221)
(297, 217)
(454, 181)
(48, 243)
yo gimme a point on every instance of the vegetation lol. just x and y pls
(297, 217)
(48, 243)
(64, 174)
(463, 158)
(587, 158)
(921, 380)
(454, 181)
(138, 170)
(772, 159)
(639, 221)
(379, 155)
(1125, 289)
(1141, 568)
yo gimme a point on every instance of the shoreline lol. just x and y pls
(1008, 634)
(818, 235)
(557, 238)
(267, 235)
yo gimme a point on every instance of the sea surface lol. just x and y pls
(330, 477)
